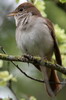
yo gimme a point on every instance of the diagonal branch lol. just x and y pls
(2, 49)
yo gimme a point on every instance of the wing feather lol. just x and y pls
(56, 48)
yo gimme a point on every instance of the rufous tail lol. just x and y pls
(51, 80)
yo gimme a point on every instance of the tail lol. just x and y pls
(50, 78)
(49, 74)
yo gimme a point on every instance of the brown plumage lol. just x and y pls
(53, 76)
(49, 74)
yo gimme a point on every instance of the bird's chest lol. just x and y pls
(34, 40)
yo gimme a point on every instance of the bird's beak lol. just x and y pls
(12, 14)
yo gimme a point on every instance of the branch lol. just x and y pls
(42, 81)
(37, 61)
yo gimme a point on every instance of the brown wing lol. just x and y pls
(53, 75)
(56, 49)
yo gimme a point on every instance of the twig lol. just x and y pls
(33, 60)
(2, 49)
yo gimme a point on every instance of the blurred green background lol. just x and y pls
(24, 87)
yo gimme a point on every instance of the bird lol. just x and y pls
(35, 35)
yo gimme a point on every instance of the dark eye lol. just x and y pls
(21, 9)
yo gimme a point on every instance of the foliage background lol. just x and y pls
(24, 87)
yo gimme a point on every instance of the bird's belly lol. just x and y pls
(34, 43)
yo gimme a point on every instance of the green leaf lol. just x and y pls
(5, 77)
(1, 63)
(32, 98)
(61, 35)
(7, 98)
(17, 1)
(63, 76)
(41, 7)
(63, 1)
(22, 99)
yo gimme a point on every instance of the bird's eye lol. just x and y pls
(21, 9)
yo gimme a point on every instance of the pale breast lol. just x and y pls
(36, 38)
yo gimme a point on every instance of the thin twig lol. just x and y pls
(12, 58)
(2, 49)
